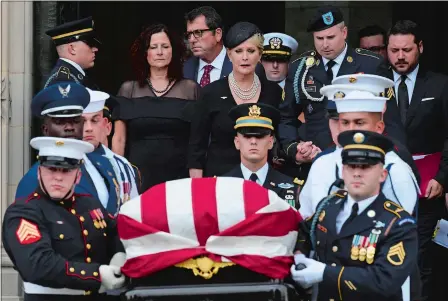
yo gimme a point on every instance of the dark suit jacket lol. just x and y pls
(427, 119)
(191, 67)
(272, 182)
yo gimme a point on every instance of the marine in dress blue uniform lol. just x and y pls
(62, 246)
(258, 121)
(361, 249)
(308, 74)
(66, 69)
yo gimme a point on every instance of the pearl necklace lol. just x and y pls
(242, 93)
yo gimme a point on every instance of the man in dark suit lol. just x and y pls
(422, 98)
(205, 38)
(254, 124)
(76, 44)
(314, 69)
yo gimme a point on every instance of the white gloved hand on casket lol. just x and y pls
(313, 273)
(118, 259)
(111, 278)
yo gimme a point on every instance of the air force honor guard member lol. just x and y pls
(315, 68)
(254, 125)
(360, 107)
(76, 44)
(365, 245)
(61, 243)
(277, 51)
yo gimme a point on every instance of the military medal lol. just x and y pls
(94, 218)
(354, 254)
(103, 222)
(371, 249)
(363, 250)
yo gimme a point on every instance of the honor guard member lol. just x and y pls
(61, 243)
(102, 160)
(76, 44)
(254, 125)
(316, 68)
(359, 107)
(365, 246)
(277, 51)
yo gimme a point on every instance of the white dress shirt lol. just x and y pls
(344, 214)
(282, 83)
(262, 173)
(98, 181)
(400, 185)
(338, 60)
(410, 82)
(217, 63)
(74, 65)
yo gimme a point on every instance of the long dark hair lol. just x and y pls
(140, 46)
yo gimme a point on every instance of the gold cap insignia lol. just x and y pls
(254, 111)
(352, 80)
(275, 43)
(203, 266)
(349, 59)
(59, 143)
(339, 95)
(309, 61)
(358, 138)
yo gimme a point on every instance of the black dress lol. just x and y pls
(211, 142)
(158, 129)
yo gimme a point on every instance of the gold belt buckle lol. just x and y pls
(203, 266)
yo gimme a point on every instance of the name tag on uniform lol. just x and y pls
(310, 89)
(440, 236)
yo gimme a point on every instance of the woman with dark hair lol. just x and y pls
(212, 151)
(152, 115)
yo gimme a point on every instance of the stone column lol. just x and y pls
(17, 91)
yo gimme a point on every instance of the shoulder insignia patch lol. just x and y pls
(393, 208)
(396, 254)
(64, 72)
(406, 220)
(27, 232)
(366, 52)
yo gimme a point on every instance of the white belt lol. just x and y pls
(31, 288)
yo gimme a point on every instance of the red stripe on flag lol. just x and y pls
(148, 264)
(153, 208)
(129, 228)
(255, 197)
(266, 224)
(204, 208)
(276, 267)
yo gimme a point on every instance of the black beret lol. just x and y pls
(364, 147)
(239, 33)
(325, 17)
(79, 30)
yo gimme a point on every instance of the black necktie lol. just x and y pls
(253, 177)
(330, 65)
(403, 98)
(354, 213)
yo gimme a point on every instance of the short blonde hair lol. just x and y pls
(258, 40)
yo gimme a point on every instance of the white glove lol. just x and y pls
(118, 259)
(313, 273)
(111, 278)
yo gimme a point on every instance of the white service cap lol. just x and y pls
(97, 101)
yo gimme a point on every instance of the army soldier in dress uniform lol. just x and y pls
(365, 245)
(76, 44)
(60, 242)
(315, 68)
(254, 125)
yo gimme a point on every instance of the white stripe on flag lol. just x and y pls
(229, 202)
(267, 246)
(155, 243)
(179, 209)
(132, 209)
(276, 204)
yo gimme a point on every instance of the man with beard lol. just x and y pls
(422, 98)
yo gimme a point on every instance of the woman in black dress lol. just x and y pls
(212, 151)
(153, 114)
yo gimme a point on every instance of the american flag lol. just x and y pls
(226, 219)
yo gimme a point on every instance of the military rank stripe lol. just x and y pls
(350, 285)
(27, 229)
(396, 254)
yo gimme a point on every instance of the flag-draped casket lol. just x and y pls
(227, 220)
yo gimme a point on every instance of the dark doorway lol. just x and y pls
(431, 17)
(119, 23)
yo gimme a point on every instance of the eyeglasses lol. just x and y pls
(376, 48)
(197, 33)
